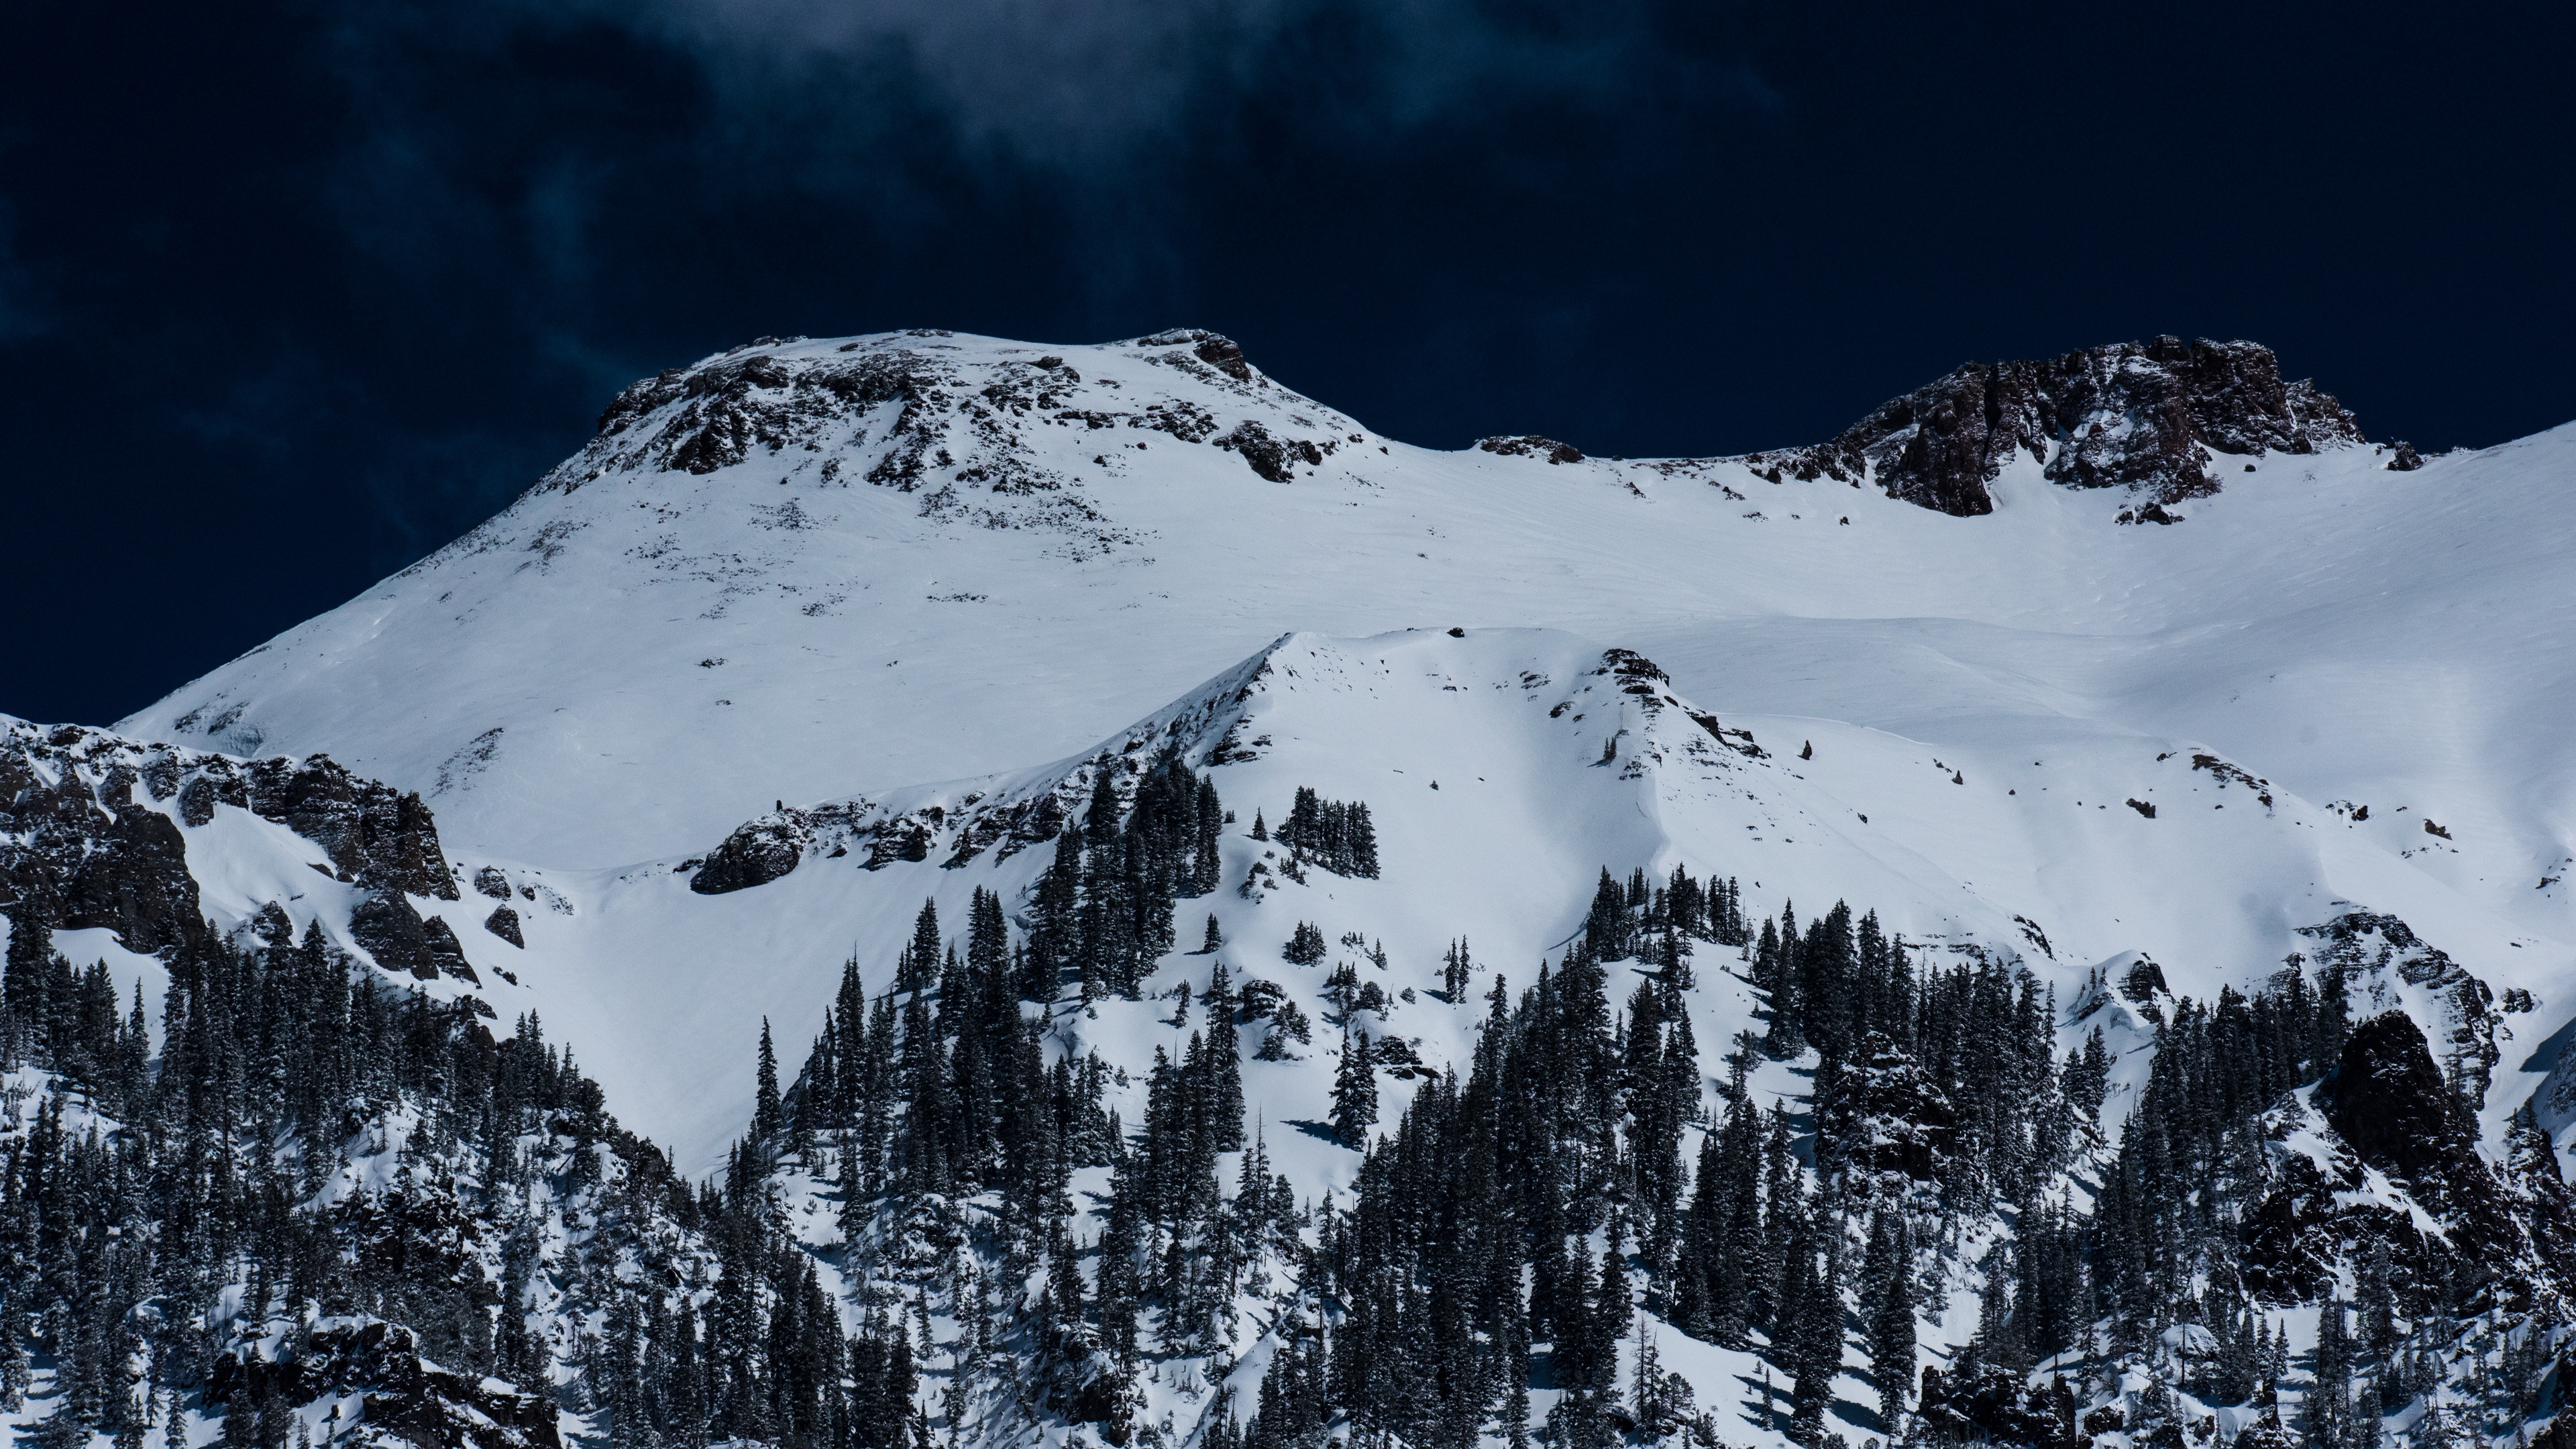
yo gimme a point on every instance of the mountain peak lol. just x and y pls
(969, 422)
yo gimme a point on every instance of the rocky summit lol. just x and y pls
(2157, 418)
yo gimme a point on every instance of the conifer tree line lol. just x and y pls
(1522, 1215)
(939, 1092)
(2173, 1202)
(154, 1213)
(1467, 1249)
(941, 1085)
(1334, 834)
(1656, 921)
(1515, 1220)
(1102, 910)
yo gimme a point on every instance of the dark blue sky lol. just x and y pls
(291, 294)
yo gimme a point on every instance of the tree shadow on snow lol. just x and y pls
(1321, 1130)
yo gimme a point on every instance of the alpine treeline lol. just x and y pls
(1656, 921)
(1103, 908)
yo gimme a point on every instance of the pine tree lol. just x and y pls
(1354, 1091)
(1305, 945)
(2328, 1411)
(1887, 1311)
(2376, 1297)
(919, 968)
(766, 1120)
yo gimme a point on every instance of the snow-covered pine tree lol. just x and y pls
(1354, 1090)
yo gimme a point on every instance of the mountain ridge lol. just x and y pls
(1122, 500)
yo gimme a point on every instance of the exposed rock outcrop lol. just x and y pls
(78, 848)
(375, 834)
(2142, 415)
(2403, 1174)
(1273, 457)
(2388, 1103)
(918, 412)
(758, 852)
(2366, 944)
(392, 932)
(1533, 446)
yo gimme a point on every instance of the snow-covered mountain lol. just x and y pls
(2135, 670)
(761, 582)
(805, 569)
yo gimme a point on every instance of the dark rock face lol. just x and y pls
(963, 426)
(1273, 457)
(758, 852)
(1222, 354)
(2533, 1177)
(392, 932)
(448, 953)
(1533, 446)
(73, 863)
(2387, 1100)
(732, 407)
(135, 882)
(79, 852)
(2131, 415)
(2388, 1103)
(375, 834)
(697, 420)
(2298, 1235)
(504, 923)
(2365, 944)
(2402, 458)
(2390, 1109)
(79, 849)
(406, 1397)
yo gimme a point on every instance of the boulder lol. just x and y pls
(758, 852)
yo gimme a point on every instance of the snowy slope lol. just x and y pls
(664, 988)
